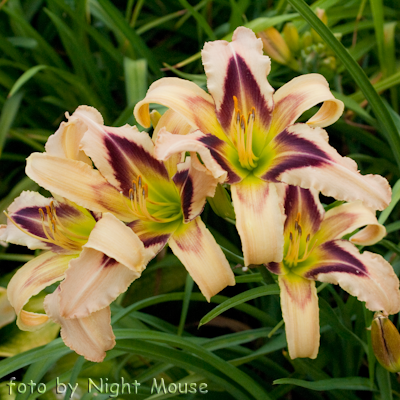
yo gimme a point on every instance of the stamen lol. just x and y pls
(54, 234)
(242, 136)
(293, 256)
(138, 197)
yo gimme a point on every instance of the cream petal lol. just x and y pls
(239, 69)
(304, 158)
(346, 218)
(197, 249)
(66, 140)
(195, 183)
(259, 220)
(367, 276)
(111, 260)
(116, 240)
(78, 182)
(299, 302)
(30, 280)
(184, 97)
(90, 337)
(93, 282)
(123, 154)
(7, 313)
(301, 94)
(175, 124)
(213, 152)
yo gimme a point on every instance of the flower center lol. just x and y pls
(299, 248)
(243, 137)
(56, 233)
(140, 204)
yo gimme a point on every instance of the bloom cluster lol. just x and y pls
(119, 196)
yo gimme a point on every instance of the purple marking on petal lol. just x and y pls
(342, 262)
(309, 155)
(149, 239)
(231, 88)
(273, 267)
(66, 211)
(180, 177)
(239, 78)
(120, 150)
(295, 194)
(187, 245)
(187, 197)
(96, 215)
(326, 269)
(213, 144)
(107, 262)
(30, 220)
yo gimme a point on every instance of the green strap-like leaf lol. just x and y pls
(183, 360)
(353, 383)
(329, 316)
(8, 113)
(25, 77)
(239, 299)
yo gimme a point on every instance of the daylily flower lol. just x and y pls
(97, 267)
(160, 201)
(247, 135)
(314, 250)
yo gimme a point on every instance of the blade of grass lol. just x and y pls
(8, 113)
(253, 311)
(221, 365)
(200, 19)
(74, 376)
(395, 199)
(185, 304)
(30, 73)
(239, 299)
(377, 14)
(181, 359)
(351, 383)
(135, 40)
(55, 348)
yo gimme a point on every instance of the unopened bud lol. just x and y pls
(307, 40)
(291, 35)
(221, 203)
(321, 14)
(386, 342)
(275, 45)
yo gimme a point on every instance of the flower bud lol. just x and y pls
(307, 39)
(386, 342)
(291, 35)
(222, 204)
(275, 45)
(321, 14)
